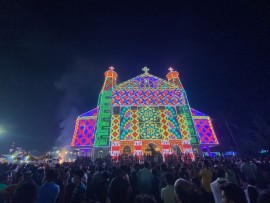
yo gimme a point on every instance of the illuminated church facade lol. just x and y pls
(142, 114)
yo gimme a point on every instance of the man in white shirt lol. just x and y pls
(215, 186)
(167, 193)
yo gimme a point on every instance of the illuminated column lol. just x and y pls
(102, 134)
(138, 148)
(173, 77)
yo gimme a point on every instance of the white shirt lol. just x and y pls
(215, 189)
(167, 194)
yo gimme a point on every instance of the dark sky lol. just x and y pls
(53, 55)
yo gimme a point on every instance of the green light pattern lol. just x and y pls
(102, 136)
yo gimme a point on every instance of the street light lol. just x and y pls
(2, 130)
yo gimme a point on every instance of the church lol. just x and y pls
(143, 115)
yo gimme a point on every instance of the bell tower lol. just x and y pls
(110, 79)
(102, 134)
(173, 77)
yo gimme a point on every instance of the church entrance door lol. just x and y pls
(176, 150)
(126, 150)
(151, 149)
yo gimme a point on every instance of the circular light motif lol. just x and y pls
(148, 114)
(149, 131)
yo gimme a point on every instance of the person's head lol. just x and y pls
(183, 170)
(85, 169)
(184, 192)
(232, 193)
(264, 196)
(27, 175)
(196, 182)
(163, 167)
(206, 163)
(147, 165)
(252, 193)
(120, 172)
(50, 175)
(25, 193)
(169, 179)
(136, 166)
(143, 198)
(41, 170)
(124, 168)
(78, 175)
(220, 173)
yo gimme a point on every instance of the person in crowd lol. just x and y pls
(40, 176)
(22, 173)
(28, 178)
(232, 193)
(251, 191)
(264, 196)
(49, 191)
(167, 193)
(196, 183)
(97, 176)
(65, 177)
(145, 178)
(215, 186)
(206, 178)
(59, 181)
(155, 184)
(25, 193)
(125, 172)
(142, 198)
(230, 174)
(163, 170)
(134, 176)
(3, 184)
(78, 194)
(248, 169)
(85, 175)
(185, 193)
(102, 188)
(183, 174)
(119, 189)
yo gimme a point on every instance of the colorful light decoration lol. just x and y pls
(205, 128)
(84, 134)
(143, 110)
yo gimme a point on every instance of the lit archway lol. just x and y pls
(151, 149)
(126, 150)
(176, 150)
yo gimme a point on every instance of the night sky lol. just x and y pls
(53, 55)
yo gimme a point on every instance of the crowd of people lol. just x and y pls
(128, 180)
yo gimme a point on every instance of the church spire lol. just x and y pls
(173, 77)
(110, 79)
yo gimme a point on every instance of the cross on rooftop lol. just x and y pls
(145, 69)
(170, 69)
(111, 68)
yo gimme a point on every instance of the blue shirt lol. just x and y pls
(78, 193)
(48, 193)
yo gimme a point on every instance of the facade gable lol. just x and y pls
(146, 81)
